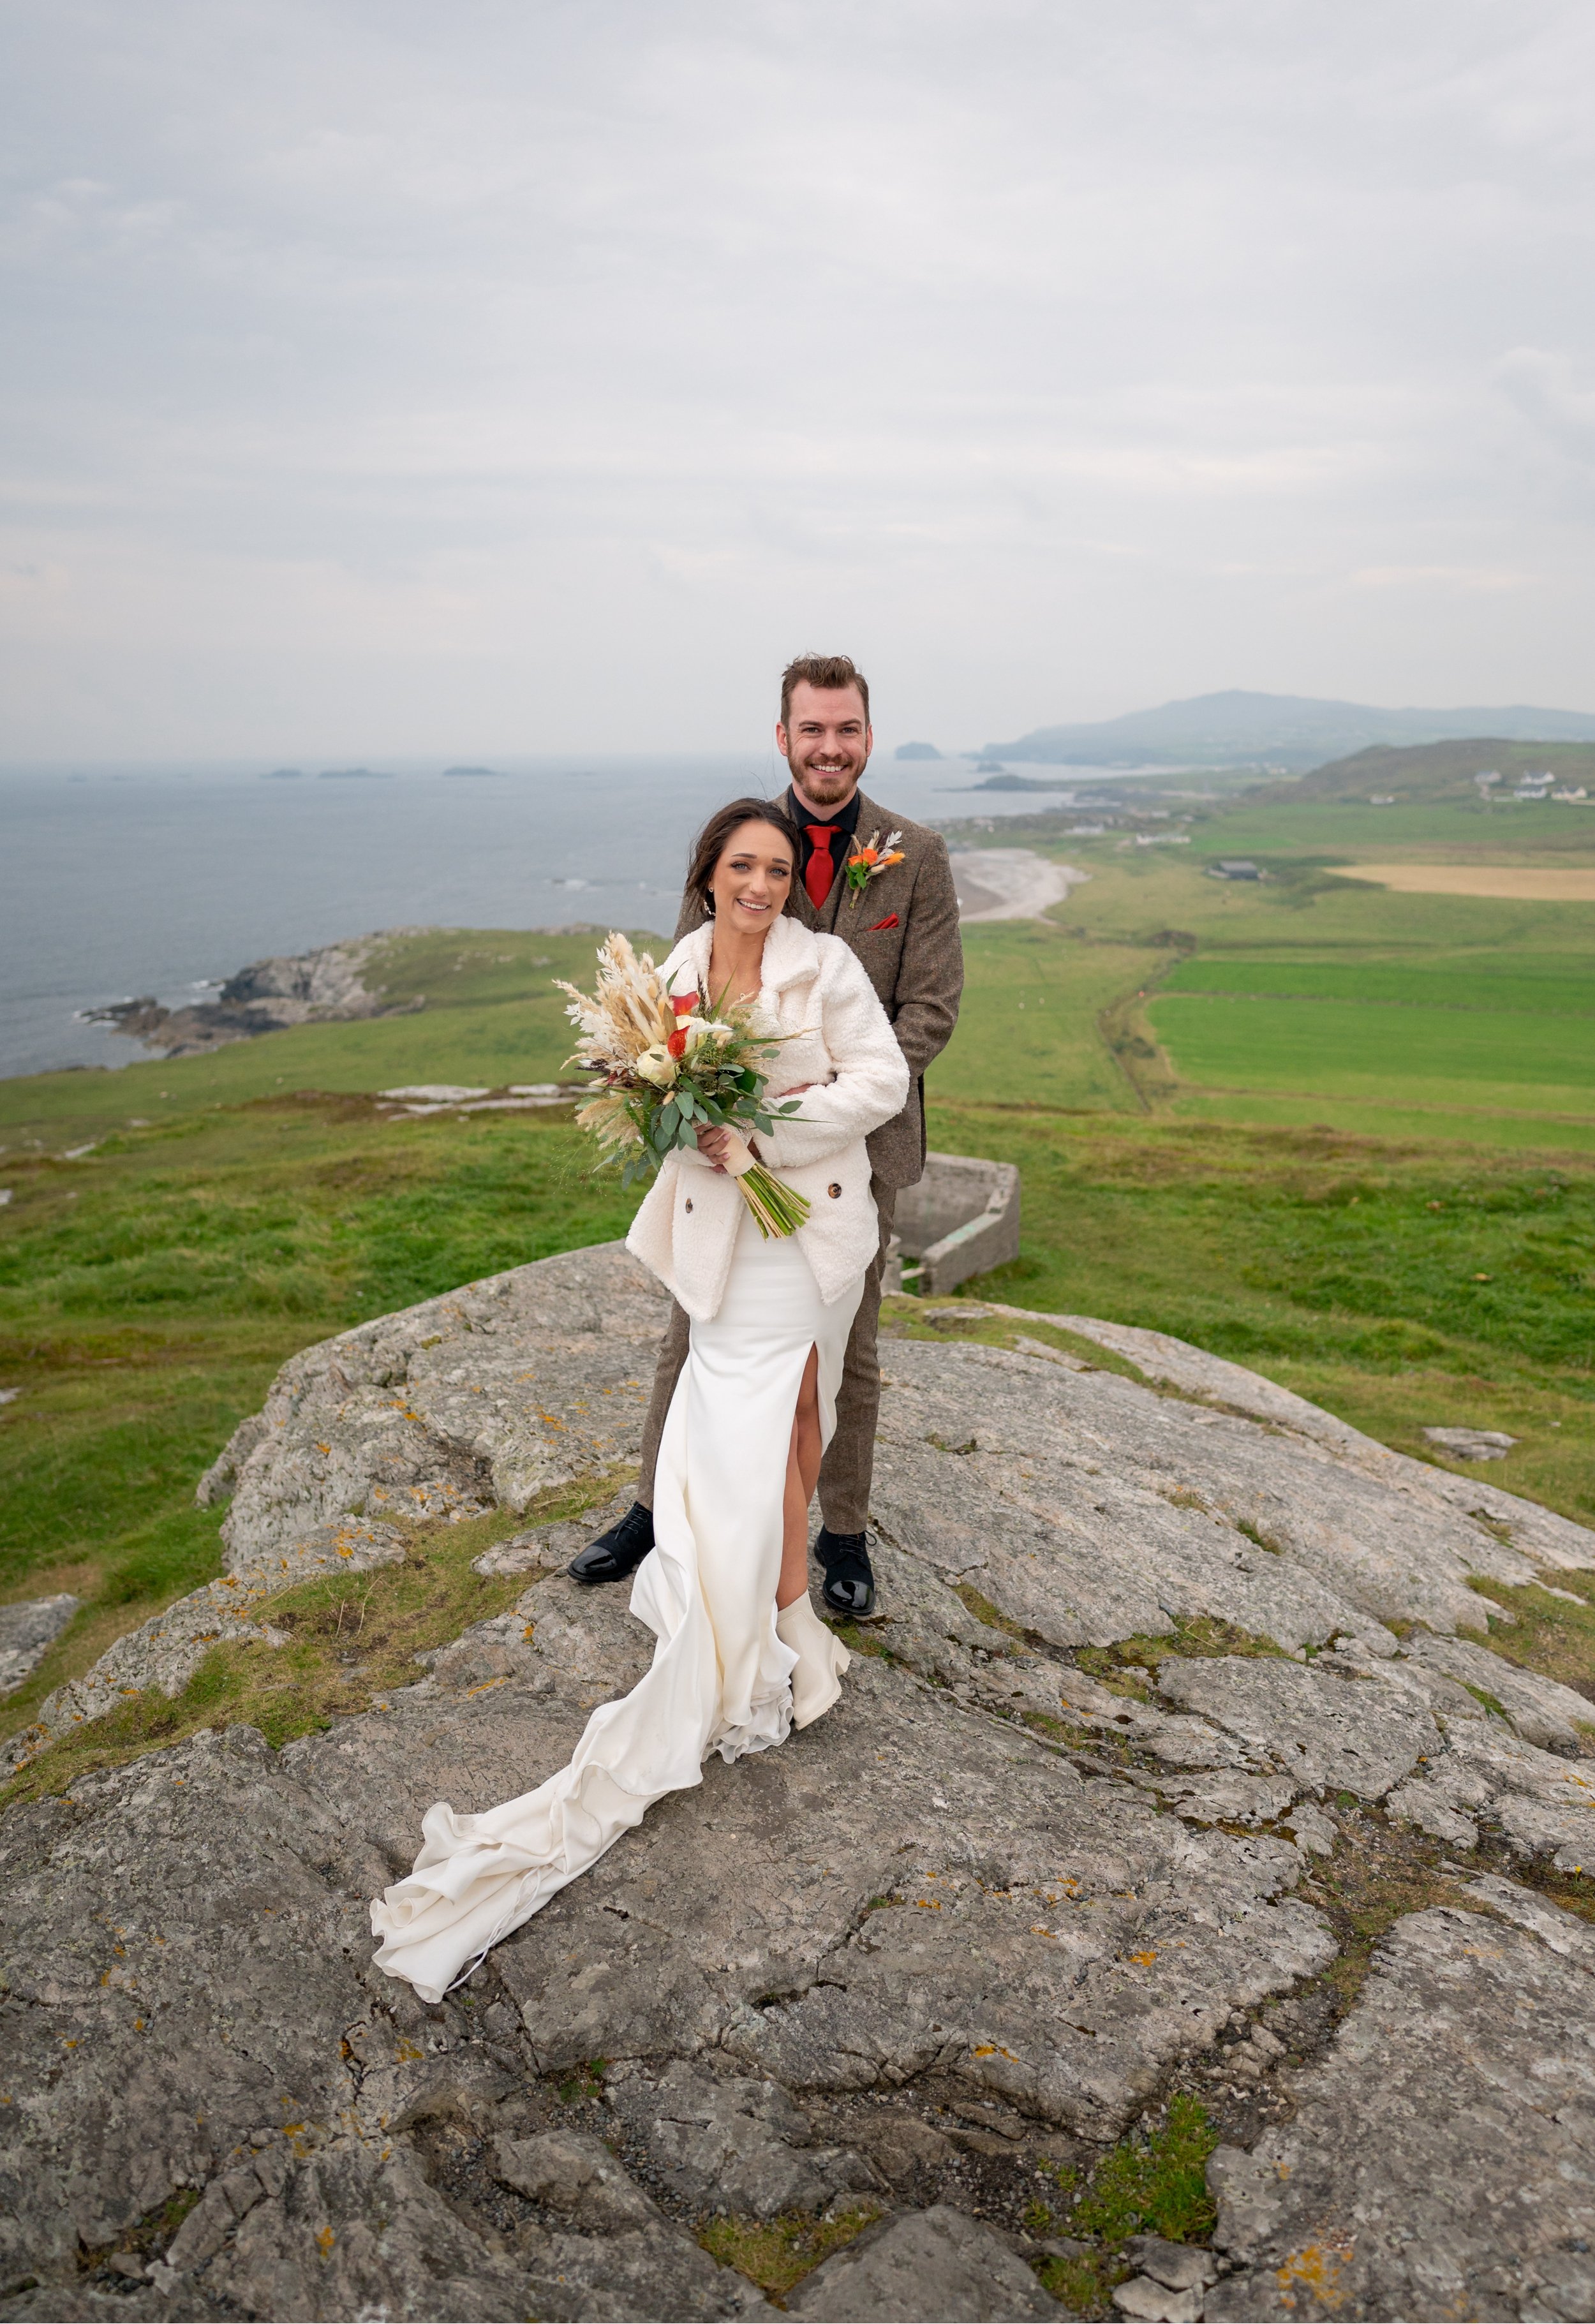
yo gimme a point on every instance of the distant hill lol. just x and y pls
(1290, 731)
(918, 750)
(1439, 770)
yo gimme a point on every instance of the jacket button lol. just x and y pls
(834, 1192)
(689, 1202)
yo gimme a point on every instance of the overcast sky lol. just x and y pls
(516, 376)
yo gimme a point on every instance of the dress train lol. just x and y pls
(728, 1674)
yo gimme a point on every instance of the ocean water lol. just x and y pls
(121, 881)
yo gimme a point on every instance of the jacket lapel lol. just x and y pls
(837, 916)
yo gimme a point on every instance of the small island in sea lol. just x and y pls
(1006, 782)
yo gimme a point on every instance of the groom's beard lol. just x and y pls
(827, 787)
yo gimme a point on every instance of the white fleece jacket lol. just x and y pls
(818, 991)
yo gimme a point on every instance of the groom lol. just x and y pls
(904, 928)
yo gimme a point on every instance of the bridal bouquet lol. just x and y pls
(664, 1070)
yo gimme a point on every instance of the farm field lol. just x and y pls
(1533, 884)
(1547, 984)
(1413, 829)
(1361, 1048)
(1305, 998)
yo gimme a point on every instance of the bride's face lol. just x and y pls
(752, 880)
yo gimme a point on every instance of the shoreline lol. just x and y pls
(1010, 883)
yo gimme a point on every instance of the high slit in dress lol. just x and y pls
(721, 1679)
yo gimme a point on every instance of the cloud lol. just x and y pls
(1424, 577)
(1543, 389)
(1056, 359)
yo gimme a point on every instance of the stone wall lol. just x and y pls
(961, 1219)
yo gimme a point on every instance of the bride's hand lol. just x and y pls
(713, 1144)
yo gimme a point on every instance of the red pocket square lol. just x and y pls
(891, 921)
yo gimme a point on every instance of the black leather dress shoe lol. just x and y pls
(850, 1582)
(617, 1553)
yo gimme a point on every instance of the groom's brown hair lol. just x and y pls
(829, 672)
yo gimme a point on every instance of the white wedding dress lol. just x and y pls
(726, 1672)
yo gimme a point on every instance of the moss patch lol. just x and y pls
(585, 2084)
(1085, 2285)
(777, 2254)
(984, 1612)
(972, 1322)
(1196, 1638)
(1385, 1872)
(1549, 1634)
(1153, 2183)
(148, 2236)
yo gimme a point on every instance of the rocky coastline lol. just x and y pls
(325, 986)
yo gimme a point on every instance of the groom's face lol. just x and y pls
(825, 744)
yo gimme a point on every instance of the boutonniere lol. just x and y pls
(869, 862)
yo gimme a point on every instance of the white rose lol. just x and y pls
(656, 1064)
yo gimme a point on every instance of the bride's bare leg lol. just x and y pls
(803, 1469)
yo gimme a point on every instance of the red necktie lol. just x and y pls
(821, 871)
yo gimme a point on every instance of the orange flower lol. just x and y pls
(676, 1044)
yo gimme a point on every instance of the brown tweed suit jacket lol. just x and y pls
(916, 965)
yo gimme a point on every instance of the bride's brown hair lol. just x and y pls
(712, 840)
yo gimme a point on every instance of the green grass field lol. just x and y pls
(1547, 987)
(1463, 831)
(1303, 998)
(1342, 1136)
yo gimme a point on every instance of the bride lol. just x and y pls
(742, 1656)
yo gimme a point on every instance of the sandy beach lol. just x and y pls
(1010, 883)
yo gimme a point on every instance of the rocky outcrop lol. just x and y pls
(1439, 2163)
(27, 1632)
(889, 1980)
(486, 1398)
(321, 987)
